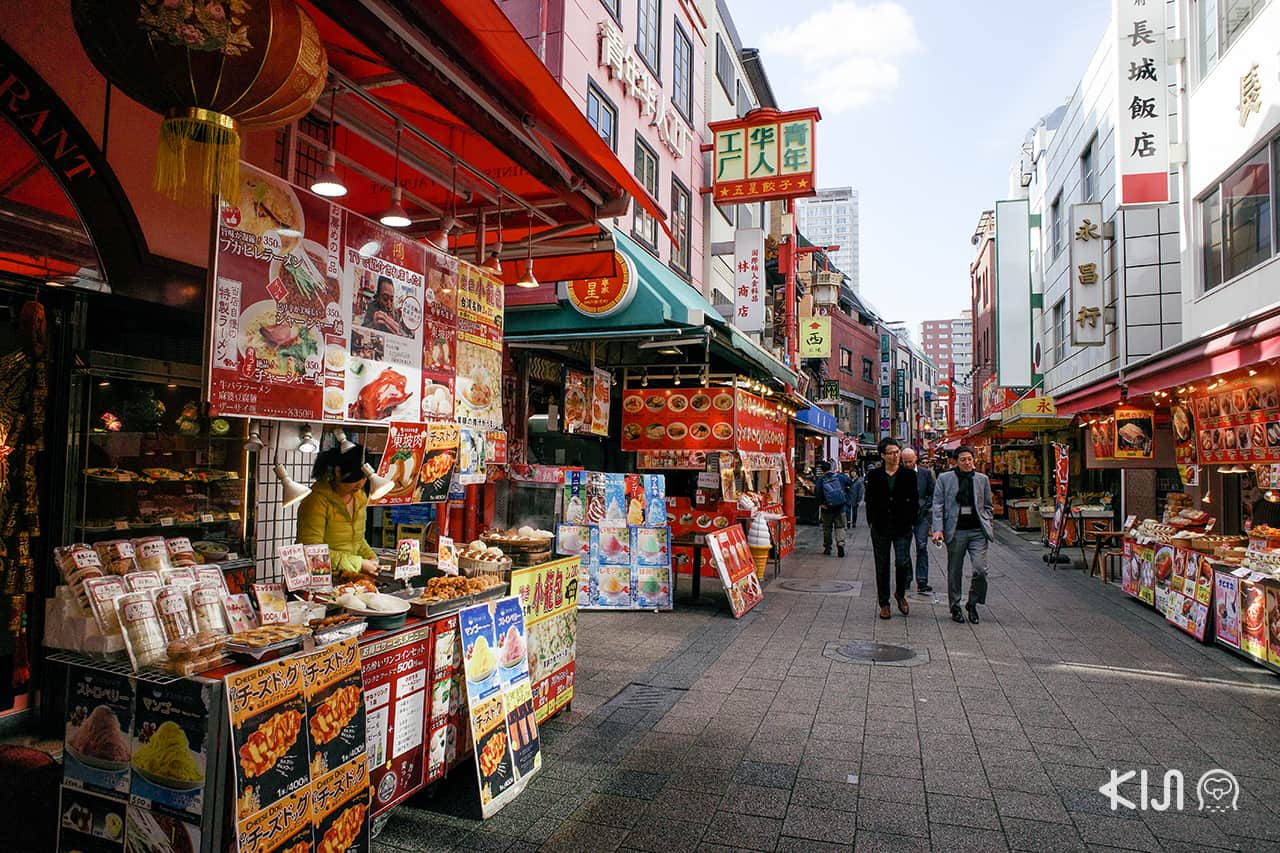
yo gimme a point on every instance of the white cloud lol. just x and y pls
(849, 52)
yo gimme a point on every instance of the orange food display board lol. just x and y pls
(736, 568)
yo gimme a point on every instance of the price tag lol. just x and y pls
(1258, 577)
(122, 525)
(233, 475)
(234, 516)
(1241, 573)
(206, 518)
(166, 522)
(125, 478)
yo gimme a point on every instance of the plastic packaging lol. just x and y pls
(180, 551)
(206, 605)
(102, 594)
(140, 624)
(153, 553)
(174, 610)
(118, 556)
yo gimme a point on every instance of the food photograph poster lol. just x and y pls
(1135, 433)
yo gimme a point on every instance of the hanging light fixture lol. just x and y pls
(344, 443)
(494, 261)
(396, 216)
(644, 379)
(378, 485)
(254, 444)
(706, 377)
(527, 280)
(293, 491)
(307, 444)
(677, 378)
(327, 183)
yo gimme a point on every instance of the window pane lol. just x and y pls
(1208, 36)
(1246, 203)
(647, 31)
(1211, 223)
(682, 94)
(1235, 16)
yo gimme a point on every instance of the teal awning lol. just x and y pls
(755, 355)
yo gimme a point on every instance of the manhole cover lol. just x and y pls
(815, 586)
(883, 654)
(643, 697)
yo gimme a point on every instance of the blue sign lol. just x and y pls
(817, 418)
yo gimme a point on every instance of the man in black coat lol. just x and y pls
(893, 505)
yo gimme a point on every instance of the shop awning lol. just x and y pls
(816, 420)
(757, 356)
(1034, 414)
(1236, 347)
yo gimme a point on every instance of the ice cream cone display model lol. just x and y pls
(759, 542)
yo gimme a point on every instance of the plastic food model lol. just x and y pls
(334, 714)
(344, 831)
(491, 755)
(269, 743)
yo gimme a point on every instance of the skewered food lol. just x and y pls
(269, 743)
(344, 830)
(334, 713)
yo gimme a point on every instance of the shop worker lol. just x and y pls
(962, 517)
(924, 488)
(855, 495)
(892, 507)
(832, 489)
(334, 513)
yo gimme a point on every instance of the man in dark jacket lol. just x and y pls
(893, 505)
(924, 486)
(832, 490)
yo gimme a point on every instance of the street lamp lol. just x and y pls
(826, 288)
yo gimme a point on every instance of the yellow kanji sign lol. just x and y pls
(815, 337)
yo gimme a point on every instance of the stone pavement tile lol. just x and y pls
(841, 732)
(652, 761)
(964, 838)
(997, 755)
(1029, 779)
(963, 811)
(723, 758)
(1017, 804)
(743, 832)
(893, 714)
(776, 752)
(1089, 801)
(808, 845)
(1252, 824)
(608, 810)
(665, 836)
(827, 770)
(842, 796)
(766, 773)
(694, 778)
(676, 803)
(956, 783)
(1187, 827)
(900, 742)
(1068, 753)
(820, 824)
(893, 788)
(944, 724)
(634, 784)
(542, 829)
(756, 800)
(890, 764)
(1114, 832)
(573, 835)
(882, 842)
(893, 818)
(406, 830)
(1034, 836)
(1074, 777)
(957, 760)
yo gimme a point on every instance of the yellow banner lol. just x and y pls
(815, 337)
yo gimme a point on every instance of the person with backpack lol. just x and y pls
(893, 504)
(833, 493)
(855, 496)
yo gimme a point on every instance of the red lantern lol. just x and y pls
(212, 68)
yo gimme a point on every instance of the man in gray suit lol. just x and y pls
(962, 515)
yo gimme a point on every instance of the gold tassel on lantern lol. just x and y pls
(201, 141)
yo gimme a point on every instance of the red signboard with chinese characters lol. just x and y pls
(602, 297)
(1238, 421)
(397, 697)
(671, 419)
(765, 155)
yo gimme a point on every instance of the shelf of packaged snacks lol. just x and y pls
(150, 674)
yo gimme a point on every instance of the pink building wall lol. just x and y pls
(570, 48)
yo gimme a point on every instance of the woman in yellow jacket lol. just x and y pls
(334, 513)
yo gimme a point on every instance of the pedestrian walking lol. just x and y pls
(855, 496)
(962, 516)
(924, 519)
(833, 493)
(892, 507)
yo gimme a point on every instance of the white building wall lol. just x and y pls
(1217, 143)
(831, 219)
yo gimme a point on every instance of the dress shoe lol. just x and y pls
(956, 615)
(924, 587)
(902, 605)
(973, 614)
(840, 551)
(885, 612)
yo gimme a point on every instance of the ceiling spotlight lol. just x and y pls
(677, 378)
(293, 490)
(494, 263)
(706, 378)
(396, 216)
(527, 280)
(327, 183)
(644, 379)
(369, 248)
(254, 444)
(1253, 372)
(378, 485)
(308, 444)
(344, 443)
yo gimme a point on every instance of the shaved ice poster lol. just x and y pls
(513, 659)
(97, 746)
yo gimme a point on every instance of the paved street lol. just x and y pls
(691, 731)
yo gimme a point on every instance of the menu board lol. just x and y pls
(674, 419)
(1134, 433)
(503, 723)
(1253, 621)
(395, 671)
(601, 395)
(401, 462)
(1137, 574)
(135, 761)
(737, 569)
(438, 462)
(1183, 421)
(1239, 422)
(762, 428)
(1188, 589)
(548, 593)
(1226, 603)
(1102, 436)
(577, 401)
(298, 751)
(317, 313)
(448, 700)
(1272, 593)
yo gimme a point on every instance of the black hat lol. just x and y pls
(345, 467)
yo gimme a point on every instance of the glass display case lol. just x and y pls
(150, 463)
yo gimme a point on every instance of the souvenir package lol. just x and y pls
(139, 581)
(140, 624)
(102, 594)
(212, 573)
(117, 556)
(174, 611)
(206, 606)
(180, 551)
(318, 561)
(78, 563)
(178, 575)
(152, 553)
(272, 605)
(240, 613)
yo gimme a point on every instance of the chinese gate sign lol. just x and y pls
(1142, 128)
(603, 297)
(765, 155)
(815, 337)
(1087, 327)
(748, 279)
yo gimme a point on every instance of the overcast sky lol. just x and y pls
(924, 104)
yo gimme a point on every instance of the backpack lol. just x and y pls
(833, 494)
